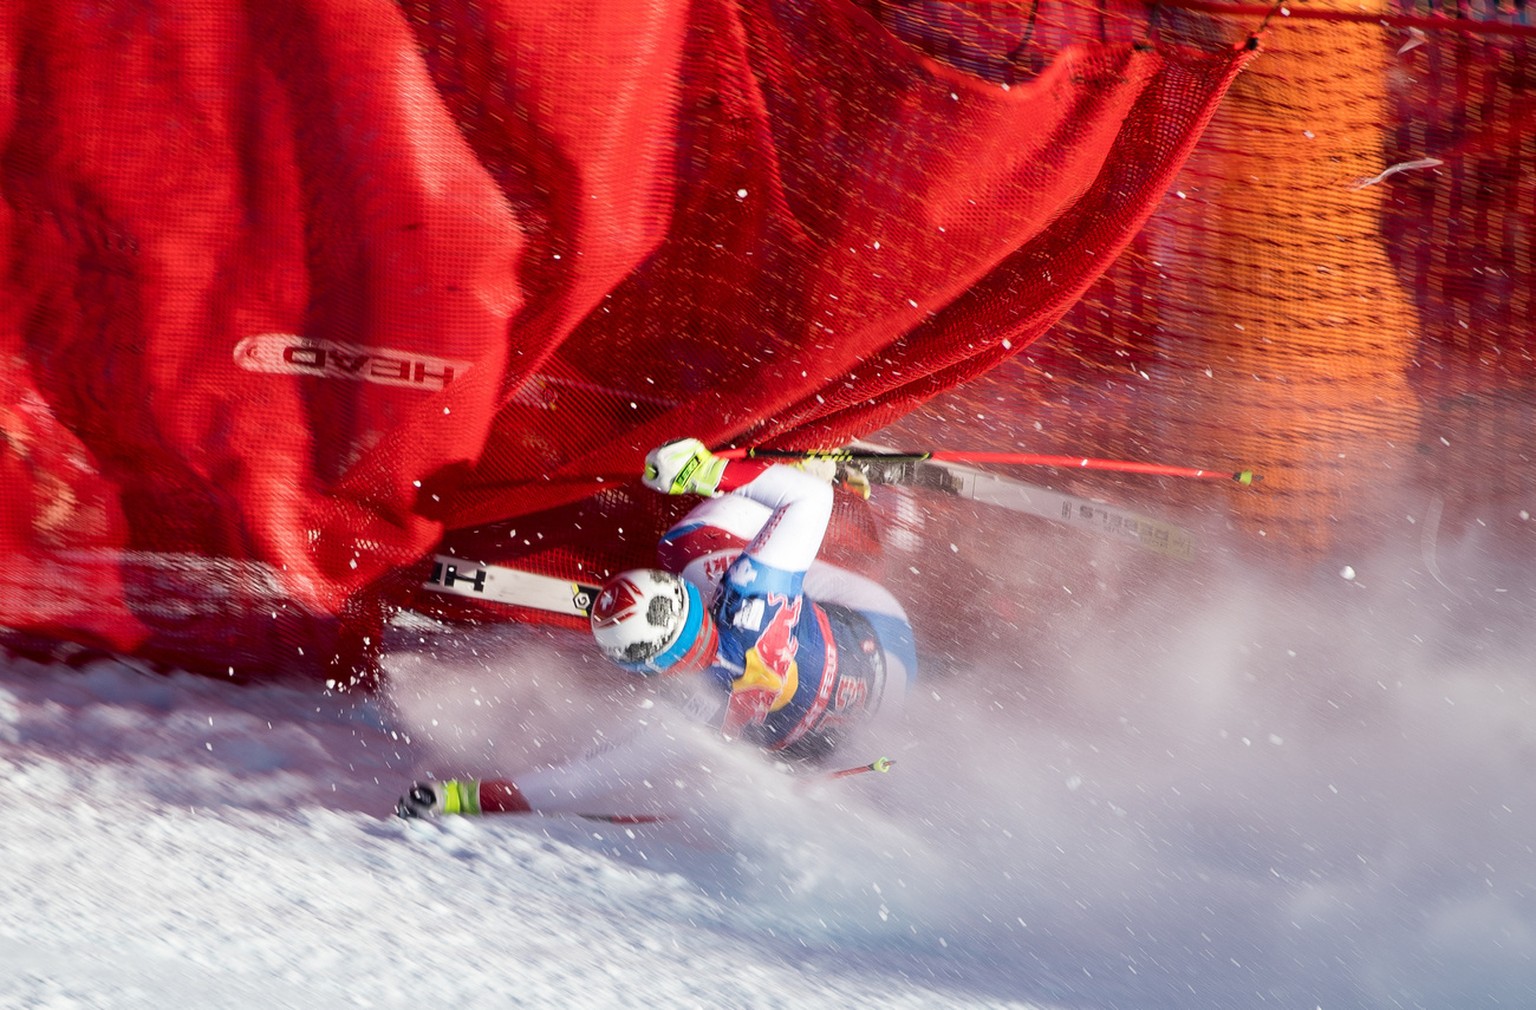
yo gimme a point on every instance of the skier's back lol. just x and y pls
(793, 651)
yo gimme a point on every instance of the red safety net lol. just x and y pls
(297, 295)
(292, 288)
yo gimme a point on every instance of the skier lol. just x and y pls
(754, 635)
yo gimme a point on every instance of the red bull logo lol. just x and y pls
(777, 645)
(770, 678)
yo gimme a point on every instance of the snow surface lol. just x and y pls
(1242, 794)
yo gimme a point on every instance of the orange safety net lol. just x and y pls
(1336, 291)
(291, 288)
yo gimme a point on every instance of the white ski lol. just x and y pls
(512, 586)
(1018, 496)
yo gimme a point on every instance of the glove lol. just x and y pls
(819, 466)
(420, 802)
(838, 473)
(685, 466)
(854, 479)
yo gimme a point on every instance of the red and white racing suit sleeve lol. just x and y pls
(799, 507)
(778, 514)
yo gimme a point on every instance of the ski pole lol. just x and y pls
(1006, 458)
(882, 764)
(479, 797)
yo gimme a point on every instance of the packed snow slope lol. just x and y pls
(1226, 790)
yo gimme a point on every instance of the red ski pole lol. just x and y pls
(877, 765)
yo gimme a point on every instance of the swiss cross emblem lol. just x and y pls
(617, 601)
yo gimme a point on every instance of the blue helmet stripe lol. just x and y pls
(692, 621)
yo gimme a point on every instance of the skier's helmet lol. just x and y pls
(650, 621)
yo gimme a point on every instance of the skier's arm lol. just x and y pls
(802, 506)
(800, 503)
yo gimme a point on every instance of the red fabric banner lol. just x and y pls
(291, 287)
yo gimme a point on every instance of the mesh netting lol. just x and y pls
(1336, 291)
(294, 288)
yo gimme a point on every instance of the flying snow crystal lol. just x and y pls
(741, 194)
(1416, 38)
(1347, 572)
(1402, 166)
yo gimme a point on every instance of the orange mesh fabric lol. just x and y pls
(1336, 291)
(1291, 334)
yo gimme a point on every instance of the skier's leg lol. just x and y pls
(644, 773)
(827, 583)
